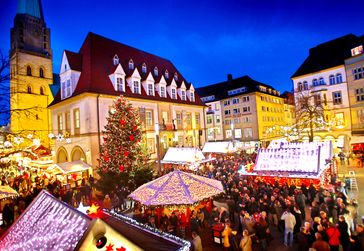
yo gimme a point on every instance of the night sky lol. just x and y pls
(206, 40)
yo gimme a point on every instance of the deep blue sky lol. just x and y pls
(205, 39)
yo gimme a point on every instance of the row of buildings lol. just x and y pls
(73, 106)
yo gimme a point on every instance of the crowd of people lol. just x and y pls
(309, 216)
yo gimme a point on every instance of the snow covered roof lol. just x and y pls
(183, 155)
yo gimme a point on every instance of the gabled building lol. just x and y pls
(102, 70)
(251, 112)
(30, 72)
(323, 76)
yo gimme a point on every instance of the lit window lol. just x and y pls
(60, 123)
(155, 71)
(131, 64)
(336, 97)
(144, 68)
(209, 119)
(332, 79)
(339, 78)
(248, 133)
(76, 118)
(149, 118)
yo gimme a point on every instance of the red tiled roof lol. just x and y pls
(97, 55)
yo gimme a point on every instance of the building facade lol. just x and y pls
(104, 69)
(355, 78)
(30, 72)
(323, 77)
(247, 111)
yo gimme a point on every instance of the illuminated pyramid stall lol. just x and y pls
(50, 224)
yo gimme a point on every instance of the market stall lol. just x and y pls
(184, 156)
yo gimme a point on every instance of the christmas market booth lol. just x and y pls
(294, 163)
(184, 156)
(50, 224)
(218, 147)
(70, 172)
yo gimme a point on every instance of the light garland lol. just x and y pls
(185, 244)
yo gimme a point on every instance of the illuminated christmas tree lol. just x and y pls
(122, 162)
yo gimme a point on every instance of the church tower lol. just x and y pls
(31, 72)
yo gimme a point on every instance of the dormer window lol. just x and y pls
(144, 68)
(176, 76)
(120, 84)
(192, 96)
(183, 95)
(136, 87)
(116, 60)
(173, 93)
(131, 64)
(163, 91)
(66, 89)
(150, 90)
(155, 71)
(166, 74)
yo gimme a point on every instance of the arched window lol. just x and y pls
(176, 76)
(314, 82)
(131, 64)
(339, 78)
(166, 74)
(332, 79)
(29, 70)
(41, 90)
(156, 71)
(144, 68)
(305, 85)
(116, 60)
(321, 81)
(299, 86)
(41, 72)
(29, 89)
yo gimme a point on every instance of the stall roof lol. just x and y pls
(218, 147)
(70, 167)
(183, 155)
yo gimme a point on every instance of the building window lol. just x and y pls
(339, 119)
(155, 71)
(300, 86)
(41, 91)
(317, 99)
(149, 118)
(305, 85)
(237, 91)
(183, 95)
(176, 76)
(163, 91)
(229, 134)
(245, 99)
(217, 119)
(173, 91)
(227, 122)
(339, 78)
(136, 88)
(76, 121)
(236, 110)
(235, 101)
(188, 120)
(166, 74)
(151, 145)
(358, 73)
(179, 120)
(144, 68)
(192, 96)
(315, 82)
(237, 121)
(336, 97)
(68, 88)
(360, 114)
(116, 60)
(29, 71)
(197, 120)
(131, 64)
(246, 109)
(60, 123)
(359, 93)
(68, 122)
(227, 112)
(226, 102)
(332, 79)
(29, 89)
(150, 90)
(321, 81)
(248, 133)
(120, 84)
(41, 72)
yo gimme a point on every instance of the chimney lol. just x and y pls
(229, 77)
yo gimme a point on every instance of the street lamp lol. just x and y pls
(156, 129)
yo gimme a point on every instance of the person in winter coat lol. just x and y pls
(246, 242)
(289, 223)
(343, 228)
(333, 234)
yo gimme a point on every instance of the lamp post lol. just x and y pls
(156, 129)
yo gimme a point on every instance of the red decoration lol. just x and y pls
(135, 128)
(131, 137)
(121, 249)
(106, 158)
(122, 122)
(109, 247)
(126, 154)
(122, 168)
(74, 176)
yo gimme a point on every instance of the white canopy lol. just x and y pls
(183, 155)
(69, 167)
(218, 147)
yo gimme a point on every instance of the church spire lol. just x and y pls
(31, 8)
